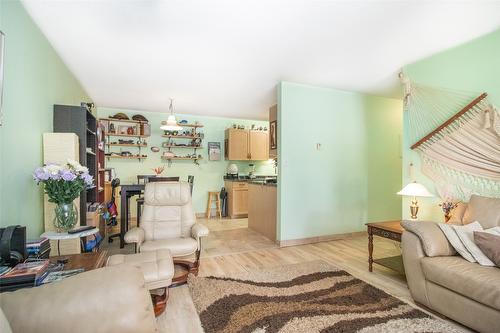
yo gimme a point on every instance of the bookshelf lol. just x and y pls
(81, 121)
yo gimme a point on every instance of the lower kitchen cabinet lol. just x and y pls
(237, 198)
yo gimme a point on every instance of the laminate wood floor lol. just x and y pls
(232, 247)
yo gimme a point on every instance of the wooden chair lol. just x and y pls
(163, 179)
(218, 211)
(191, 183)
(141, 179)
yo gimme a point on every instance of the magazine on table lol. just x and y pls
(61, 275)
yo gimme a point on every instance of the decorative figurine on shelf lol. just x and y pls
(158, 170)
(112, 129)
(448, 206)
(130, 130)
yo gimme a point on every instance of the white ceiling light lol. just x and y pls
(171, 123)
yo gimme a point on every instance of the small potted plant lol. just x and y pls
(63, 184)
(158, 170)
(448, 206)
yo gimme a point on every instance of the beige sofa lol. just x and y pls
(443, 281)
(110, 299)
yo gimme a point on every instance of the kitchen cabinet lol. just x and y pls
(262, 209)
(237, 198)
(246, 145)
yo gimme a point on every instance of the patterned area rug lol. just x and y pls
(310, 297)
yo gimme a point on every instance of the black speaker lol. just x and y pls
(13, 245)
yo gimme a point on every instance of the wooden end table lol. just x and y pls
(390, 230)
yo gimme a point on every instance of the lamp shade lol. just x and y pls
(415, 190)
(170, 124)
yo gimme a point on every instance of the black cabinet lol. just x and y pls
(81, 121)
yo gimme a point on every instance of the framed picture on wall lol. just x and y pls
(2, 57)
(214, 151)
(272, 135)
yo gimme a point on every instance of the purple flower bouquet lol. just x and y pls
(63, 184)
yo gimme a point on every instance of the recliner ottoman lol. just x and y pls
(158, 270)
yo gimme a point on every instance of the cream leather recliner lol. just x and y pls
(168, 222)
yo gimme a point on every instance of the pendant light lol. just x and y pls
(171, 123)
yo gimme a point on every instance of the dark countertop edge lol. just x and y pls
(247, 179)
(263, 184)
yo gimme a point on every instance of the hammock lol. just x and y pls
(457, 134)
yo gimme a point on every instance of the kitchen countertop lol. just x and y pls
(259, 180)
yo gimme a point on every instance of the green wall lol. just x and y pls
(208, 175)
(35, 79)
(473, 67)
(352, 179)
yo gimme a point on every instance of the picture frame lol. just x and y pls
(273, 142)
(214, 151)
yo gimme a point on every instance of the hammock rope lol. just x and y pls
(457, 134)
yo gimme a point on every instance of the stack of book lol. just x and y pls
(38, 248)
(26, 274)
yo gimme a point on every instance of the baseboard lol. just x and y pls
(200, 215)
(317, 239)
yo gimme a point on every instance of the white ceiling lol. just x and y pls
(224, 58)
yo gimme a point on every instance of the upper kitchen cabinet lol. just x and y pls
(246, 145)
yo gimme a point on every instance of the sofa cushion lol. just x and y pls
(489, 245)
(468, 279)
(484, 210)
(178, 246)
(455, 241)
(432, 238)
(467, 237)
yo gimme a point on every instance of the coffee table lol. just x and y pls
(390, 230)
(88, 261)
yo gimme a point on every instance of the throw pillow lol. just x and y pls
(466, 235)
(490, 245)
(483, 209)
(452, 237)
(457, 214)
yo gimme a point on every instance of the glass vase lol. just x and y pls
(66, 217)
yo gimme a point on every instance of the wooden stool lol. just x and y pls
(217, 204)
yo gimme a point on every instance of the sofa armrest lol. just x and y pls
(198, 230)
(135, 235)
(413, 252)
(433, 240)
(113, 298)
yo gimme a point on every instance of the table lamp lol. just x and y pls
(415, 190)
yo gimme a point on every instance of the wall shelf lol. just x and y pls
(181, 136)
(125, 145)
(186, 147)
(181, 158)
(127, 157)
(125, 121)
(127, 135)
